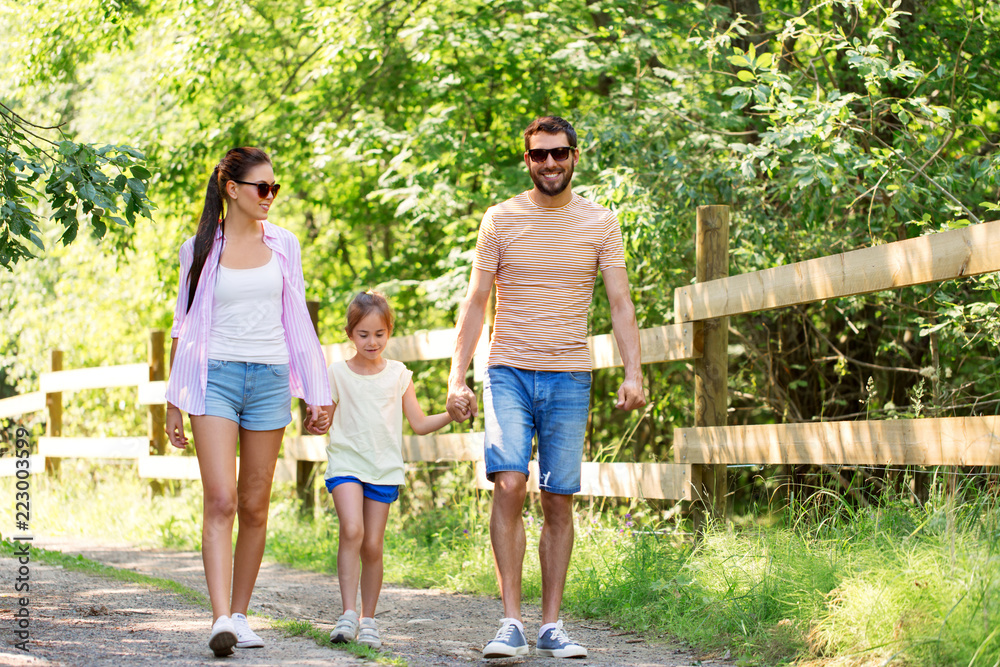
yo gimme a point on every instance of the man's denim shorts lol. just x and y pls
(520, 404)
(255, 396)
(383, 493)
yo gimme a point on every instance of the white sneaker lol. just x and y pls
(346, 629)
(245, 637)
(223, 637)
(368, 636)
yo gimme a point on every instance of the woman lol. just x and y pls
(243, 345)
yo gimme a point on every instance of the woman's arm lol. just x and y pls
(174, 422)
(320, 419)
(420, 423)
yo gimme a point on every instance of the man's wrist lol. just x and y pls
(633, 373)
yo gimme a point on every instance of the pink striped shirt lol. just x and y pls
(189, 374)
(545, 261)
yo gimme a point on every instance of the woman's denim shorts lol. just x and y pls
(255, 396)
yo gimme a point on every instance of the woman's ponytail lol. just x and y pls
(233, 167)
(211, 218)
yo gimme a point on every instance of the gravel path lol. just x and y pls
(80, 619)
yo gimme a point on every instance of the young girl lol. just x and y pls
(243, 345)
(365, 459)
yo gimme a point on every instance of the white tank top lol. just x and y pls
(246, 315)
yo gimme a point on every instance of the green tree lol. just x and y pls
(43, 167)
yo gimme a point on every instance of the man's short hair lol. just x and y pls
(550, 125)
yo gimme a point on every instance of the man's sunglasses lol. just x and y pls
(262, 188)
(542, 154)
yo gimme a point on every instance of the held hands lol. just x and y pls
(631, 394)
(174, 426)
(462, 403)
(319, 419)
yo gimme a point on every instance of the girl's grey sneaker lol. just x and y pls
(346, 629)
(223, 637)
(245, 637)
(368, 636)
(509, 641)
(555, 643)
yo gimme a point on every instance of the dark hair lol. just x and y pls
(550, 125)
(363, 305)
(233, 167)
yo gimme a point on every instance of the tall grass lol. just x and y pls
(826, 582)
(107, 502)
(894, 584)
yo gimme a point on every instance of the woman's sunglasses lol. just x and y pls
(263, 188)
(558, 154)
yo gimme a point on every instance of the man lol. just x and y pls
(542, 249)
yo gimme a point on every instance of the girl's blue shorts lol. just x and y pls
(383, 493)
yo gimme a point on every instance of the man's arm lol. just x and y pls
(631, 394)
(462, 402)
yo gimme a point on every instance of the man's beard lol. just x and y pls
(552, 189)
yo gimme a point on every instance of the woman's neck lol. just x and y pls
(240, 226)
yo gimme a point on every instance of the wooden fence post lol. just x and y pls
(711, 370)
(54, 404)
(305, 471)
(157, 412)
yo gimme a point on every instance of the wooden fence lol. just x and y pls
(699, 334)
(302, 452)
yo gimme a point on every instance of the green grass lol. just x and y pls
(109, 502)
(820, 583)
(322, 638)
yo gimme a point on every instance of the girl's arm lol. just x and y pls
(420, 423)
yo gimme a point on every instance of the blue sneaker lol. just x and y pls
(555, 643)
(509, 641)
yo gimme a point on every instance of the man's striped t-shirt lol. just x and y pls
(545, 261)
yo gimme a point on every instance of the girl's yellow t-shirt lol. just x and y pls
(366, 437)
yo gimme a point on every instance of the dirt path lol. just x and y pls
(79, 619)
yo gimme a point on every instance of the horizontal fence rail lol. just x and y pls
(23, 404)
(932, 258)
(965, 441)
(101, 377)
(94, 448)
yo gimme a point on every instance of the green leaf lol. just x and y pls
(139, 171)
(745, 75)
(68, 148)
(136, 186)
(70, 234)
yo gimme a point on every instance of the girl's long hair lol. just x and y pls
(233, 167)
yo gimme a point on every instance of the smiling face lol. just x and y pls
(552, 179)
(370, 335)
(245, 199)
